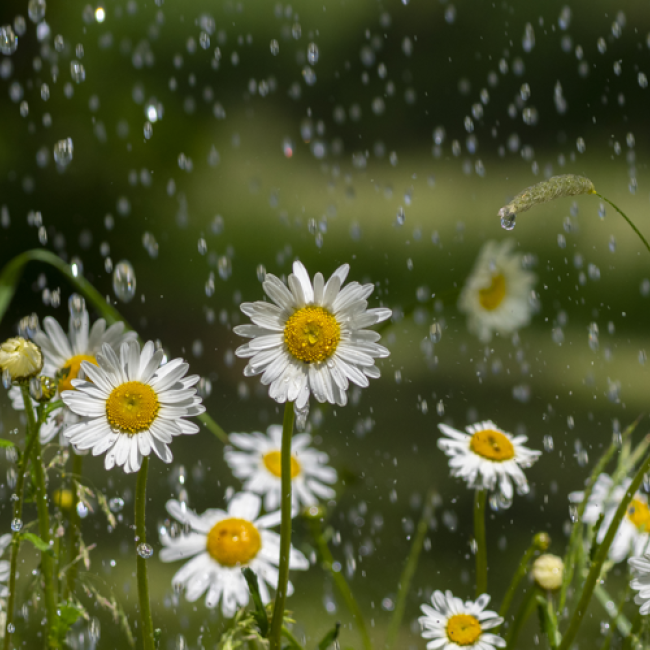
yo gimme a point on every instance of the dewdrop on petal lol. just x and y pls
(548, 571)
(554, 188)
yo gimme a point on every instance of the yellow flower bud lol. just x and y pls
(20, 358)
(548, 571)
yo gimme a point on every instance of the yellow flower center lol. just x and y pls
(63, 499)
(492, 445)
(132, 407)
(463, 629)
(71, 369)
(312, 334)
(273, 462)
(233, 542)
(639, 514)
(491, 297)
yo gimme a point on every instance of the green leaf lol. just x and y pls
(330, 637)
(38, 543)
(6, 443)
(68, 614)
(260, 611)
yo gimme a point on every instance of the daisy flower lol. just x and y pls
(496, 296)
(258, 465)
(131, 405)
(633, 535)
(486, 456)
(641, 582)
(220, 544)
(63, 354)
(452, 624)
(311, 339)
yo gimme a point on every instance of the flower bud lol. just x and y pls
(542, 541)
(20, 359)
(548, 571)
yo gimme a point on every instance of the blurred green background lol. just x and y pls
(215, 187)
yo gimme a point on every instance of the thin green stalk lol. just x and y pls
(141, 562)
(526, 608)
(575, 538)
(275, 632)
(15, 541)
(47, 561)
(327, 560)
(601, 555)
(74, 532)
(286, 632)
(481, 544)
(633, 637)
(538, 543)
(619, 620)
(548, 619)
(636, 230)
(409, 571)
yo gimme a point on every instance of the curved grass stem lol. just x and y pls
(526, 608)
(74, 526)
(409, 571)
(481, 543)
(636, 230)
(148, 642)
(275, 632)
(519, 574)
(601, 554)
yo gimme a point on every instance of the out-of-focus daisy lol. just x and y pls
(486, 456)
(496, 296)
(63, 354)
(258, 465)
(131, 405)
(220, 544)
(20, 359)
(633, 535)
(312, 339)
(452, 624)
(641, 582)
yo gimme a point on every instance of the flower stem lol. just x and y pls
(141, 562)
(599, 558)
(409, 571)
(275, 632)
(47, 561)
(339, 580)
(481, 545)
(74, 526)
(526, 608)
(520, 573)
(548, 618)
(15, 541)
(636, 230)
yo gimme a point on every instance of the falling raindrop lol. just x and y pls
(124, 283)
(63, 152)
(16, 525)
(36, 10)
(8, 40)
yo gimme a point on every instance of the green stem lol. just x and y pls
(575, 541)
(481, 545)
(286, 632)
(74, 525)
(548, 618)
(633, 636)
(619, 620)
(409, 571)
(15, 541)
(520, 573)
(141, 562)
(213, 427)
(275, 632)
(327, 560)
(526, 608)
(601, 555)
(636, 230)
(47, 561)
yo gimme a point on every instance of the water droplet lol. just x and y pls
(275, 47)
(11, 628)
(124, 283)
(580, 145)
(116, 504)
(36, 10)
(508, 220)
(573, 512)
(8, 40)
(643, 80)
(145, 550)
(312, 53)
(6, 379)
(401, 216)
(528, 39)
(63, 152)
(435, 332)
(77, 71)
(548, 443)
(16, 525)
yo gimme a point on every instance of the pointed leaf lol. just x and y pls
(330, 637)
(38, 543)
(260, 611)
